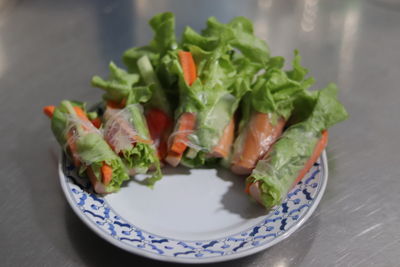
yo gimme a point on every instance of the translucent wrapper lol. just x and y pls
(120, 129)
(77, 129)
(290, 154)
(255, 140)
(208, 130)
(213, 121)
(84, 143)
(277, 172)
(127, 133)
(186, 137)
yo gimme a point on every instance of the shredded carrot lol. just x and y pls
(188, 66)
(186, 124)
(319, 147)
(49, 110)
(106, 172)
(141, 140)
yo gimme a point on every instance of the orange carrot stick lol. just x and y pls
(320, 146)
(106, 173)
(188, 66)
(222, 149)
(49, 110)
(186, 124)
(81, 114)
(260, 135)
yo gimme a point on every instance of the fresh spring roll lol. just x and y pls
(213, 77)
(146, 71)
(276, 174)
(150, 63)
(126, 132)
(85, 145)
(265, 112)
(122, 89)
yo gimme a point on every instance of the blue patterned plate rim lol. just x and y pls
(148, 247)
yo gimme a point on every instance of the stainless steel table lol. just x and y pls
(50, 49)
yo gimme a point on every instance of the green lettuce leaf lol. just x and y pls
(200, 159)
(207, 43)
(138, 121)
(164, 40)
(120, 86)
(131, 56)
(140, 157)
(328, 111)
(293, 149)
(275, 91)
(93, 151)
(189, 96)
(151, 61)
(60, 120)
(239, 34)
(163, 26)
(149, 78)
(224, 77)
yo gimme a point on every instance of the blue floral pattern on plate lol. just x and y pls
(279, 223)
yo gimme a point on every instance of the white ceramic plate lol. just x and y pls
(192, 216)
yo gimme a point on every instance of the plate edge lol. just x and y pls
(188, 260)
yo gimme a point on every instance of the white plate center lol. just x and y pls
(207, 204)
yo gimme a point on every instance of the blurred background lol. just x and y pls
(49, 51)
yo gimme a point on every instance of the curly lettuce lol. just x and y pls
(139, 156)
(150, 61)
(225, 71)
(94, 152)
(120, 86)
(275, 91)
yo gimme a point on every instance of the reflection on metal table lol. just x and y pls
(50, 49)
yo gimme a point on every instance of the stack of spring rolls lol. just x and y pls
(215, 97)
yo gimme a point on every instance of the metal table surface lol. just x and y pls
(50, 49)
